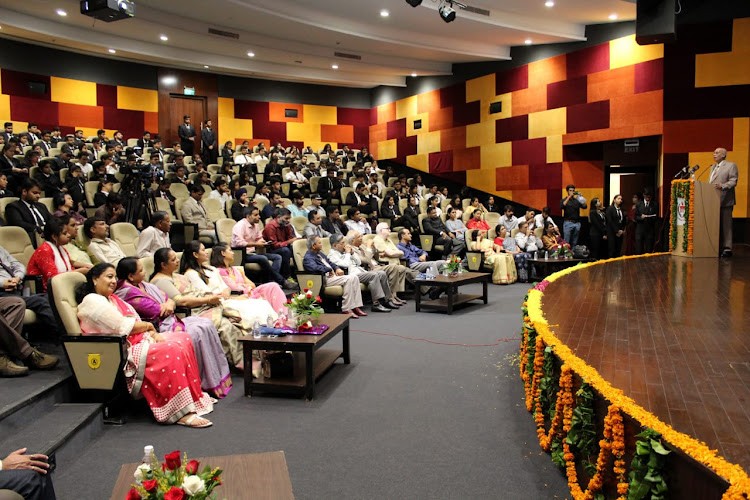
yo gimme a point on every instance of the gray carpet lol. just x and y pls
(407, 419)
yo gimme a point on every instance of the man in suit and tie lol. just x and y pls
(724, 178)
(193, 212)
(210, 146)
(46, 143)
(646, 213)
(32, 130)
(11, 167)
(329, 186)
(8, 132)
(27, 212)
(187, 135)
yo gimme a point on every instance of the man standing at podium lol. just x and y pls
(724, 178)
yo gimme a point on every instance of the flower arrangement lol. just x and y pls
(175, 479)
(561, 252)
(305, 306)
(453, 264)
(682, 189)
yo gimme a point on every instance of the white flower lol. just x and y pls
(193, 485)
(301, 296)
(140, 472)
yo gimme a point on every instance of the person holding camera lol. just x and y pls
(571, 207)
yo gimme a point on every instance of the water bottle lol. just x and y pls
(546, 255)
(536, 255)
(256, 330)
(149, 457)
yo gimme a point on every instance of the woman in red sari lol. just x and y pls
(51, 259)
(163, 371)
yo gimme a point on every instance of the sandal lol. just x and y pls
(194, 421)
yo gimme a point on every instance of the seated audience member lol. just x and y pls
(27, 212)
(247, 234)
(11, 167)
(476, 222)
(356, 221)
(329, 187)
(227, 153)
(102, 193)
(552, 240)
(367, 253)
(225, 275)
(162, 369)
(315, 261)
(204, 304)
(502, 263)
(476, 205)
(358, 199)
(433, 225)
(25, 476)
(492, 205)
(48, 180)
(12, 273)
(530, 219)
(193, 212)
(457, 205)
(525, 239)
(389, 210)
(454, 224)
(542, 219)
(314, 226)
(221, 192)
(415, 257)
(155, 236)
(275, 203)
(410, 219)
(4, 191)
(152, 305)
(77, 250)
(51, 258)
(316, 205)
(279, 234)
(511, 247)
(333, 223)
(296, 208)
(298, 180)
(434, 202)
(508, 220)
(102, 248)
(242, 201)
(75, 186)
(341, 255)
(64, 205)
(164, 193)
(112, 211)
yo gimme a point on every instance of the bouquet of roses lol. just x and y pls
(453, 264)
(304, 306)
(175, 479)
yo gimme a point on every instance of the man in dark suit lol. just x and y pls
(410, 219)
(616, 220)
(46, 143)
(32, 130)
(723, 177)
(210, 146)
(163, 192)
(187, 135)
(329, 187)
(145, 141)
(646, 213)
(333, 223)
(433, 225)
(8, 132)
(359, 199)
(27, 212)
(11, 167)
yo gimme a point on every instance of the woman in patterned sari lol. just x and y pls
(163, 370)
(152, 305)
(503, 264)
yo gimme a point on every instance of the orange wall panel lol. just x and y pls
(515, 177)
(466, 159)
(337, 133)
(548, 70)
(387, 112)
(583, 174)
(535, 198)
(76, 115)
(151, 121)
(428, 102)
(636, 108)
(441, 119)
(453, 139)
(378, 132)
(276, 112)
(605, 85)
(529, 100)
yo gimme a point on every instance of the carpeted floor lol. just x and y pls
(407, 419)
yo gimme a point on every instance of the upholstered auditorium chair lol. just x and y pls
(126, 235)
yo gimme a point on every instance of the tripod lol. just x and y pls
(139, 199)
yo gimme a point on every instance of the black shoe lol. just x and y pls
(378, 307)
(288, 285)
(390, 305)
(435, 293)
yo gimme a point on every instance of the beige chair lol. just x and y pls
(179, 190)
(312, 281)
(427, 240)
(214, 209)
(345, 192)
(224, 228)
(228, 207)
(49, 203)
(90, 188)
(164, 206)
(492, 218)
(4, 202)
(299, 224)
(18, 244)
(148, 266)
(126, 235)
(178, 202)
(314, 183)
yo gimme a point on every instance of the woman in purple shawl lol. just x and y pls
(152, 305)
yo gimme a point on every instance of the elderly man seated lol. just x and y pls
(416, 259)
(365, 251)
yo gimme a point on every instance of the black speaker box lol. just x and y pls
(655, 22)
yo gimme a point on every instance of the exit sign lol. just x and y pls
(188, 90)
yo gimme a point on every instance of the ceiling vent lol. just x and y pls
(477, 10)
(344, 55)
(225, 34)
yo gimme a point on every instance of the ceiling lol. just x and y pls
(296, 40)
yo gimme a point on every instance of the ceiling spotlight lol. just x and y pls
(528, 41)
(549, 3)
(414, 3)
(61, 12)
(112, 51)
(612, 17)
(384, 13)
(205, 66)
(334, 66)
(447, 12)
(414, 75)
(251, 54)
(163, 38)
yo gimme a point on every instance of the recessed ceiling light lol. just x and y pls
(612, 17)
(334, 66)
(527, 41)
(163, 38)
(549, 3)
(251, 54)
(112, 51)
(61, 12)
(205, 66)
(414, 75)
(384, 13)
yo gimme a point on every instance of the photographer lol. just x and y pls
(571, 206)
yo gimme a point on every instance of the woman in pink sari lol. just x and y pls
(154, 306)
(162, 370)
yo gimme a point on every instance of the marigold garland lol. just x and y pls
(684, 188)
(615, 445)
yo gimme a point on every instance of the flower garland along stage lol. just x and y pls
(537, 337)
(682, 189)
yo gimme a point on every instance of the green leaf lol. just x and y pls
(658, 448)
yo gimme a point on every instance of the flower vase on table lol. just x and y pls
(453, 266)
(304, 309)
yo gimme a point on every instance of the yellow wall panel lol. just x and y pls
(428, 143)
(482, 178)
(420, 162)
(479, 134)
(325, 115)
(508, 195)
(137, 99)
(73, 91)
(304, 132)
(406, 107)
(741, 131)
(226, 108)
(4, 107)
(626, 52)
(386, 149)
(727, 68)
(480, 88)
(233, 128)
(554, 149)
(544, 123)
(496, 155)
(425, 117)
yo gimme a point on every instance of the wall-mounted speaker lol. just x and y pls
(290, 113)
(655, 22)
(496, 107)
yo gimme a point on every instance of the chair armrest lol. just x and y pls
(474, 260)
(315, 282)
(426, 240)
(36, 282)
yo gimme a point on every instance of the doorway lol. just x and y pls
(179, 106)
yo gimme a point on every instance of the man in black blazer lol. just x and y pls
(359, 199)
(433, 225)
(329, 187)
(187, 135)
(145, 141)
(616, 220)
(27, 212)
(646, 213)
(46, 143)
(11, 167)
(8, 132)
(410, 219)
(210, 144)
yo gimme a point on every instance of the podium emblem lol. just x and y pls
(680, 211)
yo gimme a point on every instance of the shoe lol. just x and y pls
(435, 293)
(40, 361)
(391, 305)
(286, 285)
(378, 307)
(10, 369)
(359, 312)
(351, 314)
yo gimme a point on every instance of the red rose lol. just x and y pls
(150, 485)
(173, 460)
(318, 299)
(192, 467)
(133, 495)
(305, 290)
(174, 493)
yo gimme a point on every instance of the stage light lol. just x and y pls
(414, 3)
(447, 12)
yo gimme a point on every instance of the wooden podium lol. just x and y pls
(695, 211)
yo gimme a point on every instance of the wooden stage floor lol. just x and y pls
(673, 334)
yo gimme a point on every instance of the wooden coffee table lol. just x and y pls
(453, 298)
(263, 476)
(307, 368)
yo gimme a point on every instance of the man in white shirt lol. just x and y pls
(243, 158)
(542, 219)
(155, 236)
(221, 192)
(102, 248)
(354, 220)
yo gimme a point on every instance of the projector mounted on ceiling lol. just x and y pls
(108, 10)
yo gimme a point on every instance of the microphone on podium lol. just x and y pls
(681, 173)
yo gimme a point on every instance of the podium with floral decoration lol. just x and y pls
(694, 219)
